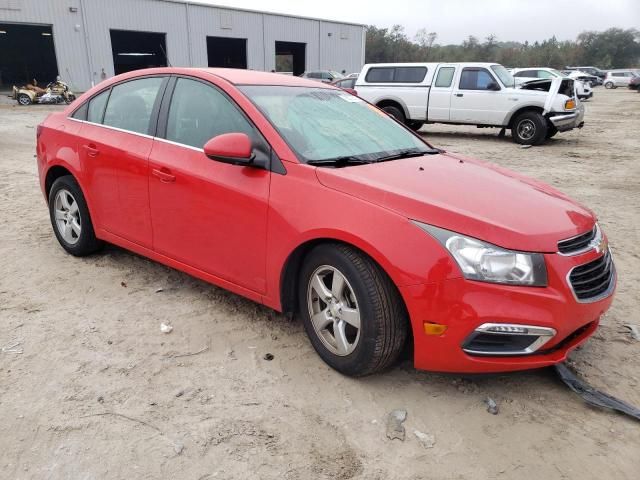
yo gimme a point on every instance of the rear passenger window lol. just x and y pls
(96, 107)
(396, 74)
(131, 103)
(199, 112)
(475, 79)
(445, 77)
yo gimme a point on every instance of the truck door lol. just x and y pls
(439, 104)
(479, 99)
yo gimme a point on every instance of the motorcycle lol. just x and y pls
(55, 93)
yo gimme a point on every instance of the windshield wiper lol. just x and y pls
(339, 161)
(412, 152)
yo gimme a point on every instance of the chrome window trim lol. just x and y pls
(144, 135)
(596, 242)
(603, 295)
(112, 128)
(190, 147)
(544, 333)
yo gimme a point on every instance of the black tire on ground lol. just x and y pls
(383, 318)
(529, 128)
(551, 131)
(609, 85)
(86, 242)
(395, 112)
(24, 99)
(415, 125)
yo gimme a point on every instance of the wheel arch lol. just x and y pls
(55, 172)
(291, 268)
(526, 108)
(394, 102)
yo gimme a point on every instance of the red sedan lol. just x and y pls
(309, 200)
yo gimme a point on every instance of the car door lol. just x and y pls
(117, 138)
(206, 214)
(474, 102)
(439, 104)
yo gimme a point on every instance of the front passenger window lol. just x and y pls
(475, 79)
(131, 103)
(199, 112)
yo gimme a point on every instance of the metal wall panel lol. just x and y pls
(138, 15)
(83, 43)
(341, 47)
(218, 22)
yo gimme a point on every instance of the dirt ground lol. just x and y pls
(98, 391)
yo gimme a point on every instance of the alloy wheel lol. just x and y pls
(333, 309)
(67, 216)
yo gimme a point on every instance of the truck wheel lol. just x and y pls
(415, 125)
(551, 131)
(395, 112)
(352, 312)
(529, 128)
(609, 85)
(24, 99)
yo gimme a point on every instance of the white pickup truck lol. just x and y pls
(482, 94)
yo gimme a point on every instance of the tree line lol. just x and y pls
(612, 48)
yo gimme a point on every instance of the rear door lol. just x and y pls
(117, 139)
(439, 105)
(209, 215)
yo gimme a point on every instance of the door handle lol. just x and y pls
(459, 94)
(163, 175)
(91, 149)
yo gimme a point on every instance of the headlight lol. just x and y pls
(485, 262)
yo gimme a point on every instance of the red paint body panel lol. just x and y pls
(237, 226)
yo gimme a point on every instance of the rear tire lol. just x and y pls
(70, 218)
(415, 125)
(529, 128)
(395, 112)
(363, 288)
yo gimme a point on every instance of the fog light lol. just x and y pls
(507, 329)
(434, 328)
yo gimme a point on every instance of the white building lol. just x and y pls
(85, 41)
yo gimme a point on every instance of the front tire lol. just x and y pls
(24, 99)
(529, 128)
(609, 85)
(352, 312)
(70, 218)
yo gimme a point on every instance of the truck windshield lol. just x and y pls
(503, 74)
(324, 125)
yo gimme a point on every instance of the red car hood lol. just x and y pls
(467, 196)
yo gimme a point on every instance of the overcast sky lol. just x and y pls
(454, 20)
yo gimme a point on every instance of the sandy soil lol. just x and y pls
(100, 393)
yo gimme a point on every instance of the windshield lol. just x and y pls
(322, 124)
(503, 74)
(557, 73)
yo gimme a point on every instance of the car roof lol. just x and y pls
(235, 76)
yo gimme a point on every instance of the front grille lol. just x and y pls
(577, 244)
(593, 280)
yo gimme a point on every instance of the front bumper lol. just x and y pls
(463, 306)
(585, 96)
(564, 121)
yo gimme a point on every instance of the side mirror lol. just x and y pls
(233, 148)
(493, 86)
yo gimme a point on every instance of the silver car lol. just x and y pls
(619, 78)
